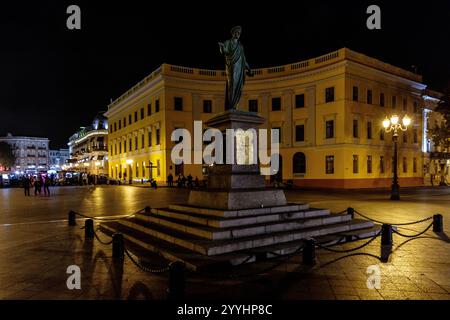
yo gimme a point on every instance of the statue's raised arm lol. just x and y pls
(236, 68)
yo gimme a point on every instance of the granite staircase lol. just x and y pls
(205, 237)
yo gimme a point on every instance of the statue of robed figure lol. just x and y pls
(236, 68)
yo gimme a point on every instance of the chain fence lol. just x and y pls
(393, 224)
(327, 248)
(413, 235)
(144, 268)
(108, 218)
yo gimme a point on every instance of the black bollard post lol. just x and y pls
(438, 223)
(118, 246)
(176, 280)
(386, 235)
(89, 229)
(309, 252)
(72, 218)
(147, 210)
(351, 212)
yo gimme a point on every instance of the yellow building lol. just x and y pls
(329, 110)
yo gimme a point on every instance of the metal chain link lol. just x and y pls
(100, 240)
(144, 268)
(412, 235)
(393, 224)
(108, 219)
(349, 250)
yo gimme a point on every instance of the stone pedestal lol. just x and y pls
(236, 186)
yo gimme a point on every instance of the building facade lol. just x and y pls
(58, 159)
(88, 148)
(436, 158)
(32, 153)
(329, 111)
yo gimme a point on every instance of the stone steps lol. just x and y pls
(245, 230)
(216, 247)
(227, 222)
(329, 240)
(238, 213)
(194, 261)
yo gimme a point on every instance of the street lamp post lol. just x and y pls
(393, 125)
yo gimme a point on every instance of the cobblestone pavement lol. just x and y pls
(37, 246)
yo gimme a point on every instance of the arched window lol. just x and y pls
(299, 162)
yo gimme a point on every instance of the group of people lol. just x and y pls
(39, 183)
(183, 181)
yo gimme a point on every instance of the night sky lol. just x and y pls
(54, 80)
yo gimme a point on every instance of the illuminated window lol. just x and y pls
(355, 164)
(157, 106)
(142, 113)
(405, 165)
(329, 164)
(149, 109)
(149, 138)
(329, 129)
(381, 164)
(369, 164)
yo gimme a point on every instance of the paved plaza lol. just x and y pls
(37, 246)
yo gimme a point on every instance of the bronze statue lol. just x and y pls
(236, 67)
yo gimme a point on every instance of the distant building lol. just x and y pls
(58, 159)
(88, 148)
(32, 153)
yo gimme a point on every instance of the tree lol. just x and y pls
(7, 158)
(440, 133)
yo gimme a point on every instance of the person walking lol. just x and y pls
(47, 186)
(170, 180)
(196, 182)
(26, 185)
(38, 185)
(179, 181)
(190, 181)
